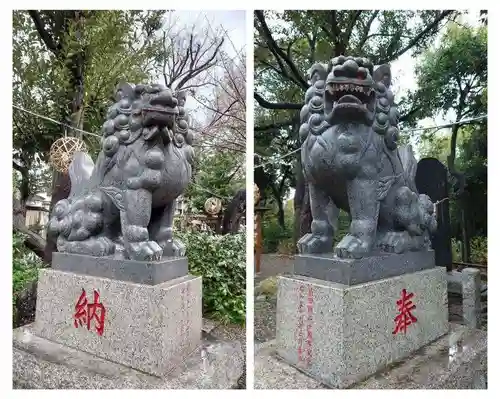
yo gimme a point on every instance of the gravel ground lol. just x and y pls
(265, 318)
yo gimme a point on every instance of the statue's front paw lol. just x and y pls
(144, 251)
(314, 244)
(352, 247)
(173, 247)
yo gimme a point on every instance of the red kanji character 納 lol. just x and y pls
(81, 316)
(93, 314)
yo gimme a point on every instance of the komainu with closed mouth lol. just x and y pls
(351, 161)
(125, 204)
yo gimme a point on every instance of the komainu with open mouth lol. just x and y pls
(351, 161)
(125, 204)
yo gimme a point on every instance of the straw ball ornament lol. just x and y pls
(62, 152)
(213, 206)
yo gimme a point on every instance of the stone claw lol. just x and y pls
(352, 247)
(312, 243)
(145, 251)
(173, 247)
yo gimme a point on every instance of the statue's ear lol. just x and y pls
(182, 97)
(317, 72)
(383, 74)
(124, 90)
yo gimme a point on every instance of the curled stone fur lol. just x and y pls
(124, 205)
(352, 161)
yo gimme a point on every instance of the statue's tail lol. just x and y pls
(80, 173)
(409, 162)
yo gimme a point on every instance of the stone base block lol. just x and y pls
(341, 334)
(149, 328)
(356, 271)
(457, 360)
(151, 273)
(42, 364)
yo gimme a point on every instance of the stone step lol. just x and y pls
(42, 364)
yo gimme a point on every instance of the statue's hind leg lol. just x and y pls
(325, 216)
(413, 219)
(81, 226)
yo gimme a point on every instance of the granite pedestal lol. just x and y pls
(149, 327)
(340, 334)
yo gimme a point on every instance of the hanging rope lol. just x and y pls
(54, 121)
(61, 157)
(437, 127)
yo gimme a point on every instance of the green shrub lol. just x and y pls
(273, 234)
(479, 250)
(343, 227)
(25, 266)
(221, 261)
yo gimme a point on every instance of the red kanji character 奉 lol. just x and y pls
(405, 317)
(96, 311)
(81, 310)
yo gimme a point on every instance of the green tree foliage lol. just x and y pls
(114, 46)
(453, 77)
(221, 172)
(452, 81)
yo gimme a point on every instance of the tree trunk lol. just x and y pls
(21, 197)
(18, 211)
(33, 241)
(281, 215)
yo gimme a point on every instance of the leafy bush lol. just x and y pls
(479, 250)
(456, 250)
(287, 247)
(25, 266)
(273, 234)
(221, 261)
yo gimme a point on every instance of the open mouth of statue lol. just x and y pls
(347, 94)
(349, 100)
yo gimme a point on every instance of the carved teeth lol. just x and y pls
(350, 87)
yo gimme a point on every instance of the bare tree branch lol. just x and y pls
(269, 105)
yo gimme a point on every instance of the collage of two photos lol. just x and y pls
(147, 240)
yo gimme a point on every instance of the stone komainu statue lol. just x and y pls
(351, 161)
(125, 204)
